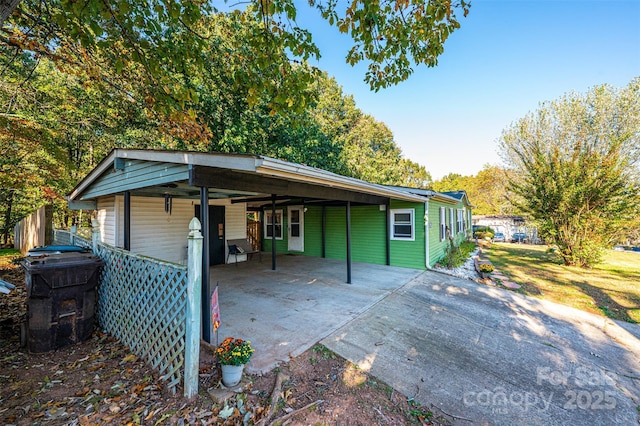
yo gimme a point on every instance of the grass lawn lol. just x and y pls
(611, 288)
(6, 256)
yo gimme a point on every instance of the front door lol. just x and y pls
(216, 234)
(296, 228)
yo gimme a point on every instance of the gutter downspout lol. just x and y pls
(426, 234)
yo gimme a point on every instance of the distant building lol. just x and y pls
(508, 225)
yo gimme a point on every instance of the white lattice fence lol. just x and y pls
(143, 303)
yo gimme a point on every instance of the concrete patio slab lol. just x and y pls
(284, 312)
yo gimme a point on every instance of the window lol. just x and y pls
(269, 225)
(460, 223)
(443, 224)
(402, 224)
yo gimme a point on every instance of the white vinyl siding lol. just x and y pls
(158, 234)
(402, 224)
(107, 220)
(235, 227)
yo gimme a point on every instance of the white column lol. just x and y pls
(194, 309)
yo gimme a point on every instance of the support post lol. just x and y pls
(73, 229)
(273, 231)
(323, 228)
(348, 242)
(95, 235)
(127, 220)
(206, 273)
(194, 295)
(387, 239)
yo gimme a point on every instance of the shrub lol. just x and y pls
(482, 232)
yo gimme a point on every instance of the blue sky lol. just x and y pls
(508, 56)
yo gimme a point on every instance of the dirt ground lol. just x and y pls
(101, 382)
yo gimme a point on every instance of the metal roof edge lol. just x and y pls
(285, 169)
(249, 163)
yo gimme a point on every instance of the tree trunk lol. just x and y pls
(6, 8)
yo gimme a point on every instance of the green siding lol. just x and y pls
(410, 254)
(368, 234)
(335, 233)
(313, 231)
(437, 247)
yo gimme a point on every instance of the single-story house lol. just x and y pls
(145, 200)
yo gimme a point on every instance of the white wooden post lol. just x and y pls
(194, 309)
(72, 234)
(95, 235)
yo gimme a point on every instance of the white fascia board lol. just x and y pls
(242, 162)
(306, 174)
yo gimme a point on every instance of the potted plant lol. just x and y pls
(233, 354)
(485, 269)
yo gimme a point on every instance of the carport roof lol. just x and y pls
(179, 173)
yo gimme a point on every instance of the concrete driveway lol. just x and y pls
(490, 356)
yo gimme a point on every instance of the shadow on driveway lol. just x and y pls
(489, 356)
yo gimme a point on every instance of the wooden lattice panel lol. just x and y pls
(142, 302)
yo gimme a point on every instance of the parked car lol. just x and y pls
(518, 237)
(498, 237)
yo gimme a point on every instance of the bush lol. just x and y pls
(456, 256)
(481, 232)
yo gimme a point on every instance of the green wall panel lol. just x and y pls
(436, 247)
(368, 234)
(313, 231)
(335, 233)
(410, 254)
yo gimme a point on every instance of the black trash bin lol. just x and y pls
(61, 295)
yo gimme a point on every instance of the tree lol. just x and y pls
(576, 168)
(162, 36)
(451, 182)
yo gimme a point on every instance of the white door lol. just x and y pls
(296, 228)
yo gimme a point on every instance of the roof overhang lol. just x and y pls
(238, 175)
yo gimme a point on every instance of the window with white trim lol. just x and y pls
(269, 225)
(460, 223)
(402, 224)
(443, 224)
